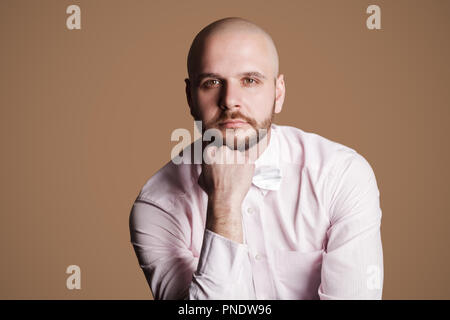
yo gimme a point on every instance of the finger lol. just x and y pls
(210, 154)
(230, 156)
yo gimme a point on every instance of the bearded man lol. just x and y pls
(298, 218)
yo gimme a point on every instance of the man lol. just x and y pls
(299, 219)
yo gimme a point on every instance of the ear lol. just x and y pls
(188, 92)
(189, 97)
(280, 92)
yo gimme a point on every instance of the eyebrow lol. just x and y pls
(256, 74)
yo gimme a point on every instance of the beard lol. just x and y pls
(241, 138)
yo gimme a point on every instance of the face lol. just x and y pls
(235, 89)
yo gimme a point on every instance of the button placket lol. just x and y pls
(256, 243)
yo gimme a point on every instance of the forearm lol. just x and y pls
(224, 218)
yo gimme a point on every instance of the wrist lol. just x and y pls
(220, 202)
(224, 213)
(225, 223)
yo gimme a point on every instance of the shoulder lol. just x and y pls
(311, 150)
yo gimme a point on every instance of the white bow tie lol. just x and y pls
(267, 177)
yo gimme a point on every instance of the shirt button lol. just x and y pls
(249, 210)
(257, 256)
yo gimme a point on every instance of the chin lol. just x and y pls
(241, 142)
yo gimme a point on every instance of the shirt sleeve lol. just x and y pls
(352, 264)
(171, 269)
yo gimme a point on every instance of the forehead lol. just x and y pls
(233, 53)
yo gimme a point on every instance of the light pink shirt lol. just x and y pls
(316, 237)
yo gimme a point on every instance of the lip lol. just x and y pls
(233, 123)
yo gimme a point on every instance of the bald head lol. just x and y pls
(226, 30)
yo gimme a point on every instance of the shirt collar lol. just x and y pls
(270, 156)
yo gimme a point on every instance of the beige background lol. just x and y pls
(86, 117)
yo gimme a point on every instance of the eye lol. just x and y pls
(211, 83)
(249, 81)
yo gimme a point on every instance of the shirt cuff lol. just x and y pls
(221, 258)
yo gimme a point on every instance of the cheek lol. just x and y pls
(262, 104)
(206, 105)
(202, 100)
(207, 99)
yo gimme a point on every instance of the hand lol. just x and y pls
(228, 176)
(226, 180)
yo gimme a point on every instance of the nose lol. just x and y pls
(230, 97)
